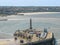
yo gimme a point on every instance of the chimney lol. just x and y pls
(30, 23)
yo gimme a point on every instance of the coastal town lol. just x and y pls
(10, 10)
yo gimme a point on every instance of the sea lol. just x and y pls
(39, 21)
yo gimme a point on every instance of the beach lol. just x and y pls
(32, 13)
(8, 42)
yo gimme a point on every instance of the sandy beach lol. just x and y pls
(8, 42)
(6, 39)
(32, 13)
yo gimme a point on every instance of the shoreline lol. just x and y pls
(7, 42)
(32, 13)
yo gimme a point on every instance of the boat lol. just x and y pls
(3, 19)
(34, 37)
(21, 14)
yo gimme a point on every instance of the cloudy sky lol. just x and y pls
(29, 2)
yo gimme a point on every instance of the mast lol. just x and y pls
(30, 23)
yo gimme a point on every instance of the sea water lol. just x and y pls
(39, 21)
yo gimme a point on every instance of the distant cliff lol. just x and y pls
(8, 10)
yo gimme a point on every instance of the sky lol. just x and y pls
(29, 2)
